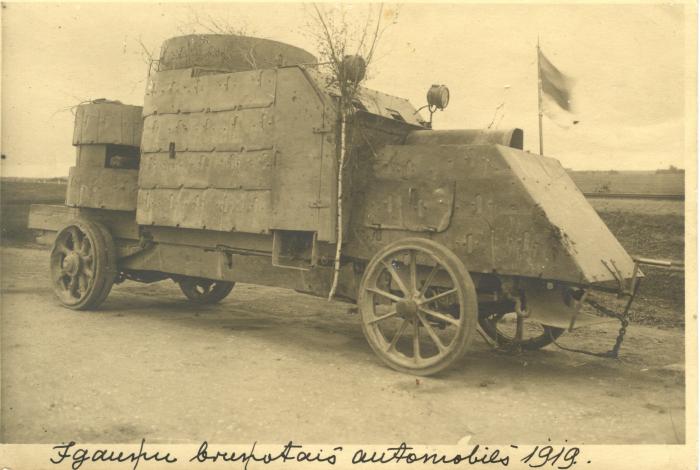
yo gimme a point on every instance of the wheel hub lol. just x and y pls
(407, 309)
(71, 264)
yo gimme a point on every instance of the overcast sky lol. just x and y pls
(628, 62)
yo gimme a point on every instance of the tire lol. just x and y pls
(405, 305)
(488, 322)
(83, 265)
(111, 261)
(205, 291)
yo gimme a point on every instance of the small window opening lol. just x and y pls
(123, 157)
(395, 114)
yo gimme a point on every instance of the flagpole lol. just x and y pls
(539, 94)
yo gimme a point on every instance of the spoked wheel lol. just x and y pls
(83, 265)
(418, 306)
(205, 291)
(501, 327)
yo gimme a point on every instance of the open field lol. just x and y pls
(641, 182)
(662, 292)
(16, 196)
(648, 228)
(639, 206)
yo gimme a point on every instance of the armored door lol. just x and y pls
(304, 164)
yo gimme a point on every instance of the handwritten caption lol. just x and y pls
(538, 456)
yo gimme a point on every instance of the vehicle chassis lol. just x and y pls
(445, 233)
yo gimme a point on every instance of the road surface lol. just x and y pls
(272, 365)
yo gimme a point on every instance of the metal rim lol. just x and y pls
(418, 307)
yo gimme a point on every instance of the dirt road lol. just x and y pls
(272, 365)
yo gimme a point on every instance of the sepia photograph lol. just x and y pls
(316, 227)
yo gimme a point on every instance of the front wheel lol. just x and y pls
(205, 291)
(83, 264)
(418, 306)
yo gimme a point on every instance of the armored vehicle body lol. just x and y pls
(229, 173)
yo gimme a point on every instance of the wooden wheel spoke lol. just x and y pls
(73, 287)
(75, 237)
(416, 341)
(397, 335)
(439, 316)
(412, 270)
(85, 247)
(59, 276)
(61, 247)
(385, 294)
(429, 280)
(82, 283)
(441, 347)
(438, 296)
(396, 277)
(383, 317)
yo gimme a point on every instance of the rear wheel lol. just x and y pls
(418, 306)
(205, 291)
(83, 264)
